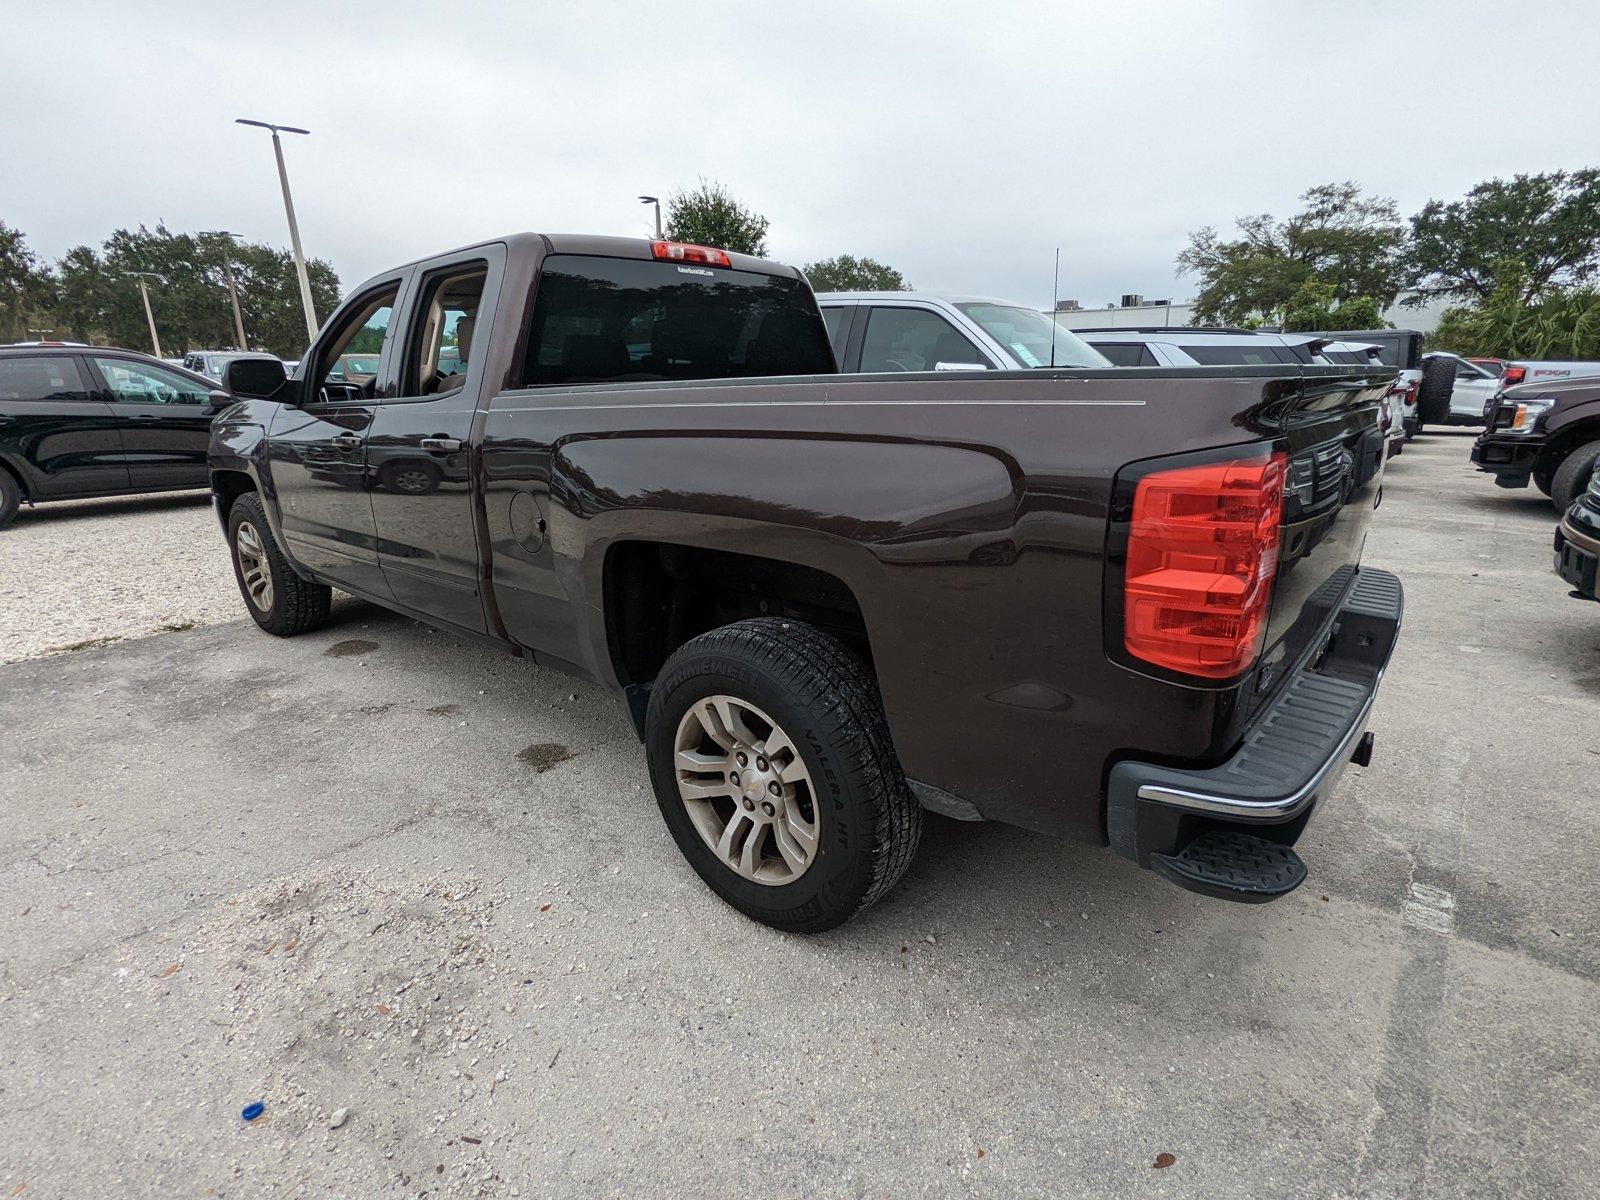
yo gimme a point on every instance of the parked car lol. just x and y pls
(921, 331)
(1545, 432)
(1463, 388)
(1190, 346)
(213, 364)
(79, 421)
(1402, 350)
(1119, 605)
(1578, 542)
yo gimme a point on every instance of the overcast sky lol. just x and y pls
(959, 142)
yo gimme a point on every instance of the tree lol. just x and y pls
(710, 216)
(96, 299)
(26, 287)
(1340, 236)
(1313, 307)
(1564, 323)
(846, 273)
(1549, 223)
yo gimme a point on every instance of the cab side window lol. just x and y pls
(912, 339)
(347, 366)
(446, 326)
(135, 383)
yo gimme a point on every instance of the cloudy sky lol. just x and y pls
(960, 142)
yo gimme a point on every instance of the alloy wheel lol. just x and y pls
(254, 569)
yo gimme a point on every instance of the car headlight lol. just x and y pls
(1529, 414)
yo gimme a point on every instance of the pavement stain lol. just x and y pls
(541, 756)
(349, 648)
(445, 710)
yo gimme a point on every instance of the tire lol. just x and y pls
(410, 477)
(1572, 476)
(281, 601)
(834, 758)
(1433, 394)
(1542, 481)
(10, 498)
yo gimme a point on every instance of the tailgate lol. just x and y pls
(1334, 483)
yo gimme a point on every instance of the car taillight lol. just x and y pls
(684, 252)
(1514, 375)
(1202, 558)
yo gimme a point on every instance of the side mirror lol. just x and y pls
(217, 400)
(255, 378)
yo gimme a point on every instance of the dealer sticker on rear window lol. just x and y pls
(695, 271)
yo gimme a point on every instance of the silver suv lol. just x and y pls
(922, 331)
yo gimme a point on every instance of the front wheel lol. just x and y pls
(1572, 476)
(772, 764)
(281, 601)
(10, 498)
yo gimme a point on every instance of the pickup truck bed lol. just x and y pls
(992, 573)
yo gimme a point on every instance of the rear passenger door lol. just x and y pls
(164, 419)
(59, 438)
(419, 450)
(902, 338)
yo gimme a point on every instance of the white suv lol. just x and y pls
(1183, 346)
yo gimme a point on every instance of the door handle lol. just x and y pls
(441, 444)
(347, 441)
(145, 417)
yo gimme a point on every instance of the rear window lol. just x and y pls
(1353, 357)
(1264, 355)
(614, 320)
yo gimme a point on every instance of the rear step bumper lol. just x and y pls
(1229, 830)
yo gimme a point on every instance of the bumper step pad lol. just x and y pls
(1233, 866)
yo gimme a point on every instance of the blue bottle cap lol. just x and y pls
(253, 1110)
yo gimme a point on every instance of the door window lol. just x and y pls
(1127, 354)
(833, 318)
(912, 339)
(134, 383)
(447, 324)
(348, 363)
(45, 378)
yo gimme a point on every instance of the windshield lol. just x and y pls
(1026, 334)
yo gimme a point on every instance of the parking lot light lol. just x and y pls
(294, 228)
(657, 202)
(233, 291)
(144, 291)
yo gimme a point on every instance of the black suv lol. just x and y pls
(80, 421)
(1578, 542)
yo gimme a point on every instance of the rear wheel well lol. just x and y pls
(659, 595)
(1565, 442)
(228, 487)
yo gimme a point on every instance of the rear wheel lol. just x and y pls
(281, 601)
(1433, 394)
(10, 498)
(772, 765)
(1572, 476)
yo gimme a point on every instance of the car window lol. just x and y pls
(913, 339)
(1126, 354)
(445, 324)
(833, 319)
(137, 383)
(349, 361)
(1034, 339)
(603, 320)
(1264, 355)
(48, 377)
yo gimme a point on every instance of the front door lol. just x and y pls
(55, 433)
(419, 452)
(164, 419)
(319, 448)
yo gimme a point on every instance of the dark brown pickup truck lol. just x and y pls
(1123, 605)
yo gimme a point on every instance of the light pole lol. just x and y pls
(657, 203)
(233, 292)
(294, 229)
(144, 291)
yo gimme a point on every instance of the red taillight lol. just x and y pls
(1514, 375)
(684, 252)
(1202, 556)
